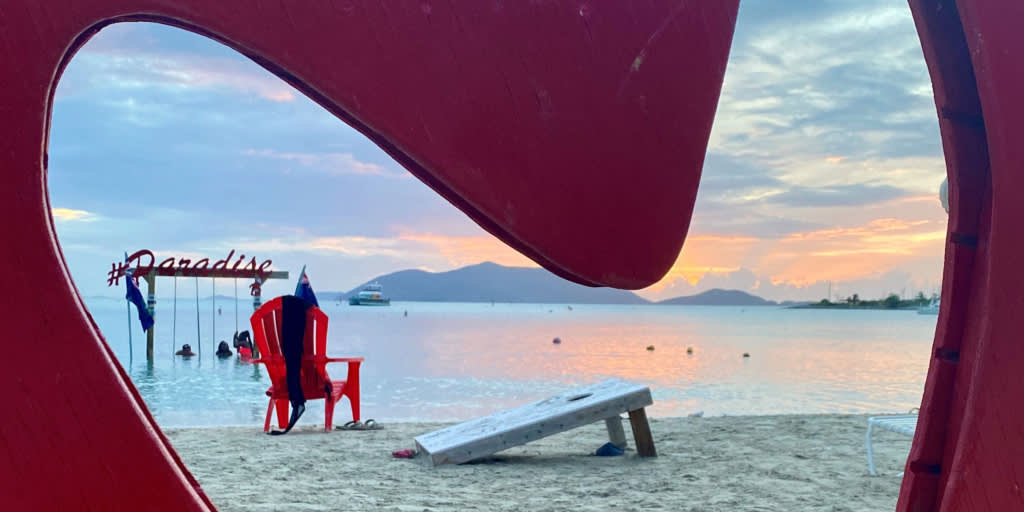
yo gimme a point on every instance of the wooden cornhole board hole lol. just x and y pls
(490, 434)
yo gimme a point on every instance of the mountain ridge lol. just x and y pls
(491, 282)
(719, 297)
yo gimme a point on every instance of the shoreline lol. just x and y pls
(717, 464)
(844, 306)
(314, 416)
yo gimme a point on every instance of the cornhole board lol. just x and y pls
(490, 434)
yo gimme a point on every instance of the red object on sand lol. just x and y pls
(403, 454)
(266, 331)
(572, 130)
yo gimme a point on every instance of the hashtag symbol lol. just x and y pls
(116, 270)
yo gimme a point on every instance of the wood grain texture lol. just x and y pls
(642, 433)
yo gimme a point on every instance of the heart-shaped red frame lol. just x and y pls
(572, 130)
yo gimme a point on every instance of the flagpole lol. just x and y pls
(128, 307)
(131, 356)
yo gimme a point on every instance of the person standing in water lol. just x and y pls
(223, 350)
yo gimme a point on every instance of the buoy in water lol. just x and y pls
(556, 341)
(650, 348)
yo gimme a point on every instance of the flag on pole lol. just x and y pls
(303, 290)
(135, 297)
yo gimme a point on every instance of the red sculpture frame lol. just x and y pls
(572, 130)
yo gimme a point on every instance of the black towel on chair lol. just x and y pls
(293, 330)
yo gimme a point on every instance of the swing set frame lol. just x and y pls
(175, 268)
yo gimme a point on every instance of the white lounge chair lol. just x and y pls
(902, 423)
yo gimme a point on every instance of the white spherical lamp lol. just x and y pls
(944, 194)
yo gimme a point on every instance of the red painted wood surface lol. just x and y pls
(573, 130)
(968, 451)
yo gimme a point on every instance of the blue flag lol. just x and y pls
(303, 290)
(135, 297)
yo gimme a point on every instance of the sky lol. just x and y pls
(822, 171)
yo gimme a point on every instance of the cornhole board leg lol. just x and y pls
(485, 436)
(616, 435)
(642, 433)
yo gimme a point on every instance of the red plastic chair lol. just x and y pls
(316, 384)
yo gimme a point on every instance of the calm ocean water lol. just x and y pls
(457, 361)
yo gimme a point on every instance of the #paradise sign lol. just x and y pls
(142, 263)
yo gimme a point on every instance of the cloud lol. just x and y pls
(869, 286)
(71, 215)
(800, 259)
(746, 220)
(731, 178)
(117, 62)
(442, 252)
(876, 230)
(330, 163)
(351, 246)
(840, 195)
(849, 252)
(467, 250)
(823, 165)
(844, 81)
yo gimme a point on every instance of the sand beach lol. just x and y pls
(727, 463)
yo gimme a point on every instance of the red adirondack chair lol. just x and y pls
(266, 329)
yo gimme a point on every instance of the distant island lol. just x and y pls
(893, 301)
(490, 282)
(720, 297)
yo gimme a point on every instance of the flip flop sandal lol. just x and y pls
(404, 454)
(352, 425)
(358, 425)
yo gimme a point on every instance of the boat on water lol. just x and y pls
(931, 309)
(371, 295)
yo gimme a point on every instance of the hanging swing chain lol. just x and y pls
(236, 306)
(174, 327)
(213, 313)
(199, 340)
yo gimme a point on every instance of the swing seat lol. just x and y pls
(316, 383)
